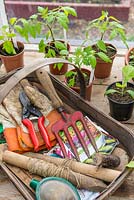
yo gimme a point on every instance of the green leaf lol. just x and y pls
(128, 73)
(113, 34)
(33, 16)
(63, 23)
(64, 52)
(1, 37)
(60, 45)
(104, 57)
(40, 9)
(102, 46)
(113, 18)
(19, 29)
(71, 82)
(93, 61)
(51, 53)
(50, 19)
(130, 164)
(120, 85)
(8, 47)
(12, 20)
(70, 73)
(41, 46)
(110, 91)
(59, 66)
(68, 10)
(131, 93)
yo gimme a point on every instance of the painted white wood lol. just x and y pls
(3, 16)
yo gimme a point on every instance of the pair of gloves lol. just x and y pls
(15, 133)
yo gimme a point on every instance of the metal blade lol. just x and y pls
(24, 99)
(28, 108)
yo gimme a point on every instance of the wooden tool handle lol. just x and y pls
(101, 173)
(39, 167)
(49, 88)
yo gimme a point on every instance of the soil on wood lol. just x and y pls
(126, 98)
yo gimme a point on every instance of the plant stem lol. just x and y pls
(51, 32)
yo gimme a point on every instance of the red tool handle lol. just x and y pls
(43, 131)
(32, 133)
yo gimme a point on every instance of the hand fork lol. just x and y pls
(67, 119)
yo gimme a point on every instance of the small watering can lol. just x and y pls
(54, 188)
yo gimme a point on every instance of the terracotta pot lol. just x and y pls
(103, 69)
(88, 87)
(15, 61)
(127, 55)
(54, 70)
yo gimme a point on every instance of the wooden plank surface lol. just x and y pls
(9, 192)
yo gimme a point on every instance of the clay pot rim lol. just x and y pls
(127, 55)
(117, 102)
(18, 42)
(84, 69)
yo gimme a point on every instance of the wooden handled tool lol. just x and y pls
(68, 120)
(45, 169)
(104, 174)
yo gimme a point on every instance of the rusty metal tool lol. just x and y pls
(67, 119)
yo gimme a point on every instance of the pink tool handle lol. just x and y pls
(43, 131)
(32, 133)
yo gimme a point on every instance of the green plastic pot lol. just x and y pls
(54, 188)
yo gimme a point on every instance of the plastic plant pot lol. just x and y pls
(120, 111)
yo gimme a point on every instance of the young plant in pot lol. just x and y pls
(121, 95)
(111, 26)
(83, 56)
(11, 51)
(52, 47)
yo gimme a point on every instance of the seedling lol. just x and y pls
(127, 74)
(81, 56)
(7, 37)
(49, 18)
(107, 24)
(25, 28)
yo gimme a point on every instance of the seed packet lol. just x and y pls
(104, 141)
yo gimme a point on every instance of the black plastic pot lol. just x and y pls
(120, 111)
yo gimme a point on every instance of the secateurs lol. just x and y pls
(28, 111)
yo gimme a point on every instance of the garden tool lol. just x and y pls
(28, 111)
(47, 189)
(67, 119)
